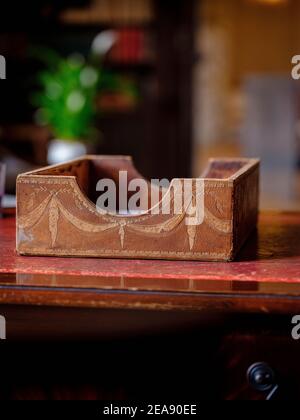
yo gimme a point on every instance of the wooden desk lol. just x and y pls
(233, 314)
(266, 276)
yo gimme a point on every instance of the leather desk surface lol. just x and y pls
(265, 277)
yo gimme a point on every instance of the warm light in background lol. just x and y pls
(270, 2)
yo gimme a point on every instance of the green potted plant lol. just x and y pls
(66, 102)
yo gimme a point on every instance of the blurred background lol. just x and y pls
(170, 82)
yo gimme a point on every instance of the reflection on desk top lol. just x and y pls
(267, 272)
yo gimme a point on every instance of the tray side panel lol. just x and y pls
(245, 207)
(55, 219)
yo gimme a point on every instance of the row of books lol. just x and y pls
(133, 46)
(111, 12)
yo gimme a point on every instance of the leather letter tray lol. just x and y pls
(57, 213)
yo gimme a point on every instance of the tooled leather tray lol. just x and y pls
(57, 214)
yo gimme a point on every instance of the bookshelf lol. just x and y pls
(155, 50)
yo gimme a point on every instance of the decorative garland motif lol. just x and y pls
(56, 208)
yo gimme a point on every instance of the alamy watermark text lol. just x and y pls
(2, 327)
(2, 67)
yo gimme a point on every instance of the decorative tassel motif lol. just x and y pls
(122, 233)
(53, 220)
